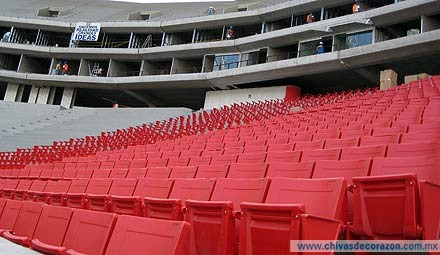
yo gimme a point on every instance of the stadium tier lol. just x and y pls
(328, 172)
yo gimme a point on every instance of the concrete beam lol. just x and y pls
(68, 99)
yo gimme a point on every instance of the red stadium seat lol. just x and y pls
(344, 168)
(287, 156)
(363, 152)
(132, 205)
(252, 158)
(95, 186)
(198, 161)
(9, 215)
(300, 146)
(157, 162)
(224, 159)
(245, 171)
(183, 189)
(158, 172)
(136, 172)
(213, 222)
(172, 162)
(132, 235)
(51, 227)
(414, 149)
(183, 172)
(77, 186)
(420, 137)
(61, 186)
(118, 173)
(380, 140)
(341, 143)
(25, 225)
(290, 169)
(140, 163)
(212, 171)
(119, 187)
(37, 186)
(322, 200)
(328, 154)
(280, 147)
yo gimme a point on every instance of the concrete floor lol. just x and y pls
(10, 248)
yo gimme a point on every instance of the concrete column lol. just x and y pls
(147, 68)
(68, 99)
(11, 92)
(33, 97)
(51, 95)
(276, 54)
(208, 63)
(43, 95)
(20, 92)
(84, 68)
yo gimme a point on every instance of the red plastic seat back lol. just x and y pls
(27, 219)
(240, 190)
(345, 168)
(134, 234)
(351, 153)
(328, 154)
(252, 158)
(184, 172)
(195, 189)
(212, 171)
(321, 197)
(290, 169)
(78, 186)
(224, 159)
(99, 186)
(38, 185)
(89, 231)
(287, 156)
(123, 187)
(414, 149)
(424, 167)
(53, 224)
(157, 188)
(60, 186)
(137, 172)
(253, 171)
(158, 172)
(10, 214)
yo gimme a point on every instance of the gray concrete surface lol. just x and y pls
(25, 125)
(10, 248)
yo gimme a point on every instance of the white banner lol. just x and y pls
(86, 31)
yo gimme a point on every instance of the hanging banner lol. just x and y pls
(86, 31)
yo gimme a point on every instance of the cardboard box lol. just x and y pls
(388, 79)
(411, 78)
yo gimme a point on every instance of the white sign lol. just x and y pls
(86, 31)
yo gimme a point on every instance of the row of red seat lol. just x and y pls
(62, 230)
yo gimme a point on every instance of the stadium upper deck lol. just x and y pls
(171, 54)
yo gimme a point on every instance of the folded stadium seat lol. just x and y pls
(101, 202)
(167, 148)
(183, 189)
(233, 150)
(122, 164)
(256, 143)
(212, 152)
(127, 156)
(344, 168)
(138, 163)
(95, 186)
(154, 155)
(233, 144)
(87, 233)
(326, 154)
(324, 134)
(61, 186)
(414, 149)
(135, 235)
(212, 171)
(10, 185)
(202, 160)
(58, 170)
(181, 147)
(51, 228)
(341, 143)
(214, 229)
(47, 170)
(420, 136)
(140, 156)
(145, 187)
(378, 131)
(252, 158)
(191, 153)
(374, 151)
(279, 139)
(25, 224)
(35, 171)
(247, 170)
(9, 215)
(4, 173)
(21, 194)
(355, 132)
(300, 146)
(224, 159)
(2, 182)
(183, 172)
(214, 146)
(101, 173)
(424, 127)
(158, 172)
(2, 204)
(118, 173)
(173, 162)
(380, 140)
(137, 172)
(157, 162)
(87, 172)
(301, 137)
(197, 146)
(290, 170)
(394, 187)
(280, 147)
(303, 209)
(286, 156)
(170, 154)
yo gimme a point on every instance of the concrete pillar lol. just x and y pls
(11, 92)
(51, 97)
(34, 94)
(84, 68)
(276, 54)
(68, 99)
(20, 92)
(208, 63)
(43, 95)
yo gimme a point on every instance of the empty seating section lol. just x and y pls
(364, 165)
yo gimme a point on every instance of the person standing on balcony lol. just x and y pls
(210, 11)
(310, 18)
(58, 68)
(320, 48)
(230, 33)
(356, 6)
(65, 68)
